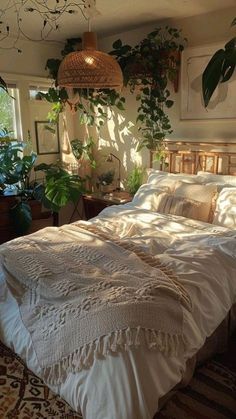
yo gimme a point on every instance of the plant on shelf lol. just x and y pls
(148, 67)
(220, 68)
(106, 178)
(15, 170)
(135, 179)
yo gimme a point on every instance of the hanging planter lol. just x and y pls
(147, 68)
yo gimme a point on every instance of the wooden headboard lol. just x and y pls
(191, 157)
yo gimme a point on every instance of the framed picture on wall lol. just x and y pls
(47, 137)
(223, 102)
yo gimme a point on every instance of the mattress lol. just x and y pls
(130, 384)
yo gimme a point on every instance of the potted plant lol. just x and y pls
(15, 170)
(104, 180)
(135, 179)
(58, 188)
(219, 69)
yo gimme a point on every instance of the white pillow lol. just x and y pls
(177, 205)
(156, 176)
(147, 195)
(211, 177)
(225, 212)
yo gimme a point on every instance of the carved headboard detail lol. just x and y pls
(190, 157)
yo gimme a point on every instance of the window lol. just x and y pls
(9, 113)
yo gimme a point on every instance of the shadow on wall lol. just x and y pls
(120, 137)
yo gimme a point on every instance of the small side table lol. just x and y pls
(94, 203)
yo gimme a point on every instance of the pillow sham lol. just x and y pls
(202, 193)
(156, 176)
(211, 177)
(225, 212)
(177, 205)
(146, 196)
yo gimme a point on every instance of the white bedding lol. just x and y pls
(128, 385)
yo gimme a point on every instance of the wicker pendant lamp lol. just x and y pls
(90, 68)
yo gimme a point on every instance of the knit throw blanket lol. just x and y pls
(83, 295)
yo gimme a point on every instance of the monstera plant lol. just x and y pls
(220, 68)
(15, 170)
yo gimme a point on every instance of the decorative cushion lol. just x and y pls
(147, 195)
(225, 212)
(177, 205)
(202, 193)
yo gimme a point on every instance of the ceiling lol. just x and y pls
(115, 15)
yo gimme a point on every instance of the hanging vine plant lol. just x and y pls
(147, 68)
(89, 103)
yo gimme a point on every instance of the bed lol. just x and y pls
(176, 283)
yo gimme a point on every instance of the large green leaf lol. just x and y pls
(21, 217)
(212, 75)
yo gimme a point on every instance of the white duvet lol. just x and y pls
(128, 385)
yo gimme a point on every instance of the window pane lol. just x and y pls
(7, 114)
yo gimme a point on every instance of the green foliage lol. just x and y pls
(135, 179)
(149, 66)
(6, 112)
(83, 149)
(59, 188)
(220, 68)
(106, 178)
(15, 167)
(92, 104)
(3, 86)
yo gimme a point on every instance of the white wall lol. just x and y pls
(118, 138)
(31, 61)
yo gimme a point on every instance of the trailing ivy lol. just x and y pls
(147, 67)
(91, 104)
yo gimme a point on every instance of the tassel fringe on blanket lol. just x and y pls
(83, 357)
(83, 295)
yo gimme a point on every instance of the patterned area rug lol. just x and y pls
(24, 396)
(210, 395)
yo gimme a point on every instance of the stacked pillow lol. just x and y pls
(205, 196)
(158, 182)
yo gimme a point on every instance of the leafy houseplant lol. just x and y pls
(81, 149)
(135, 179)
(59, 187)
(149, 66)
(219, 69)
(90, 103)
(15, 169)
(106, 178)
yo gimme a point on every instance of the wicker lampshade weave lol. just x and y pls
(90, 68)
